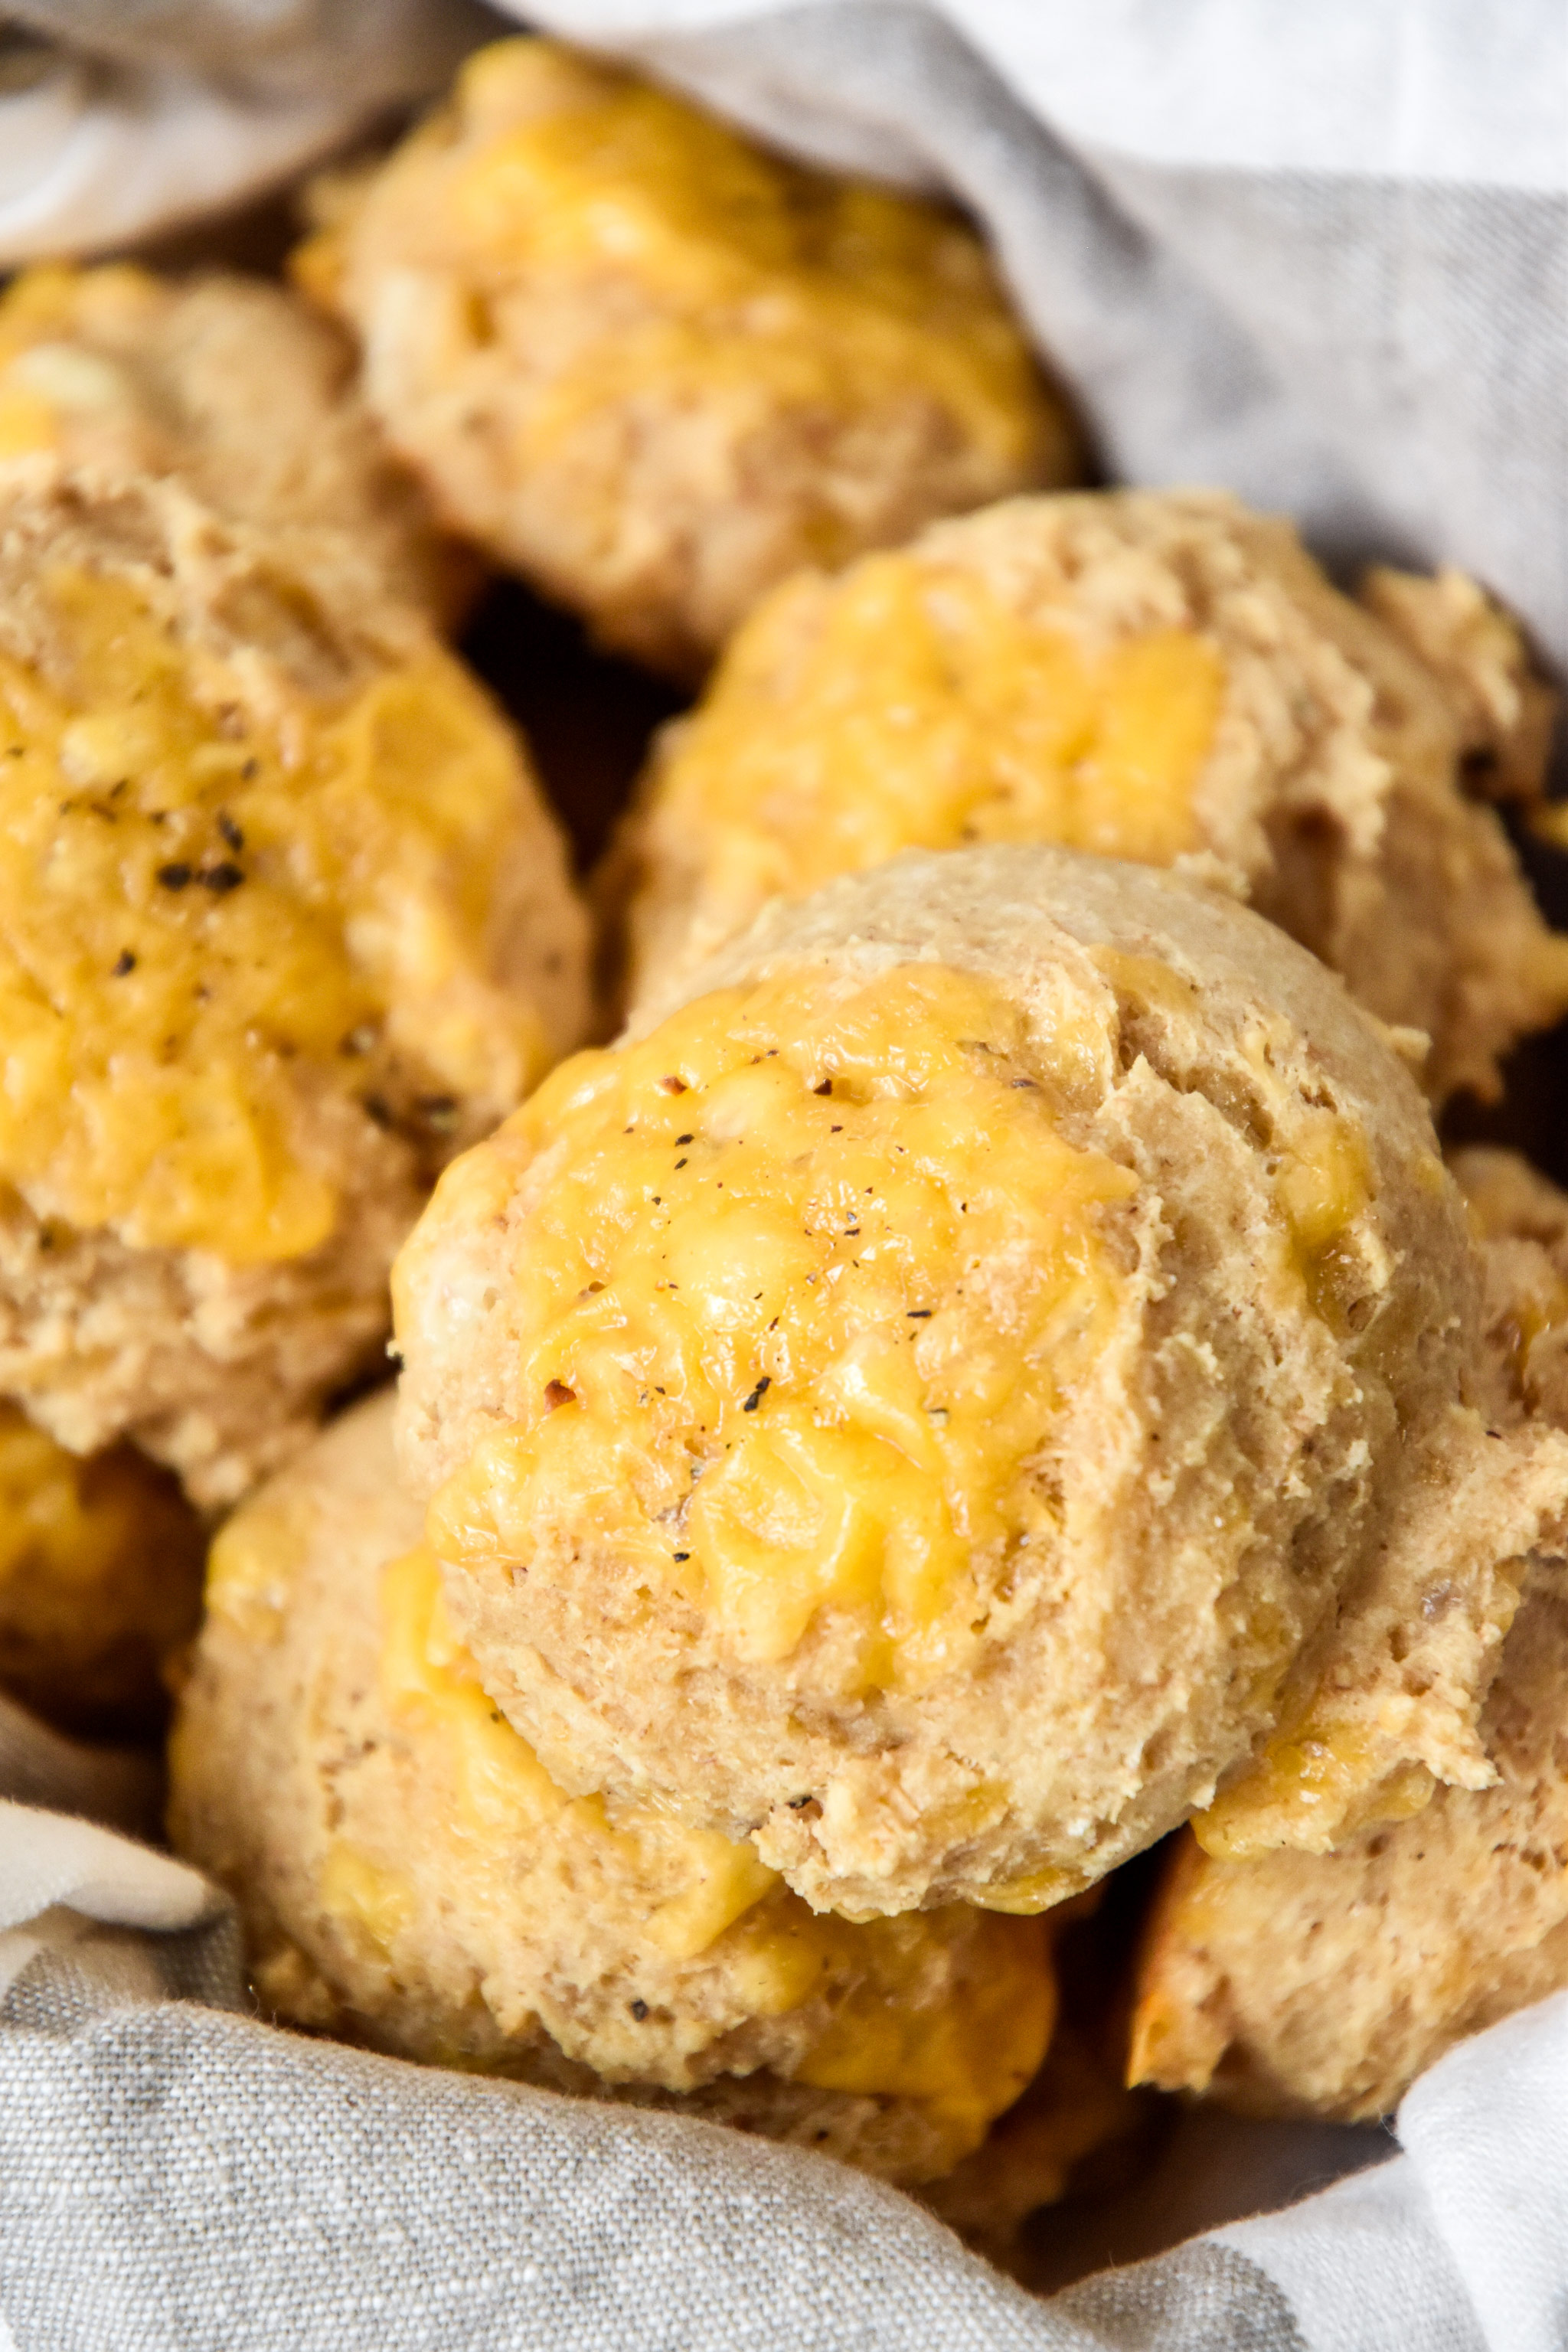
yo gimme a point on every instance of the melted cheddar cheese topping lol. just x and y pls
(504, 1791)
(689, 1888)
(907, 706)
(1314, 1784)
(749, 280)
(214, 915)
(805, 1280)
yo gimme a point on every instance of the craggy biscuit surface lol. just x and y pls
(283, 923)
(101, 1570)
(227, 382)
(410, 1876)
(969, 1387)
(1522, 1219)
(1325, 1983)
(654, 368)
(1146, 674)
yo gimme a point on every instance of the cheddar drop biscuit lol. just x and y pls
(1153, 675)
(1324, 1984)
(946, 1400)
(654, 368)
(100, 1569)
(411, 1876)
(283, 924)
(227, 382)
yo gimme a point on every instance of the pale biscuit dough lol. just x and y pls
(408, 1877)
(1325, 1984)
(229, 383)
(1263, 1500)
(1324, 751)
(101, 1574)
(654, 368)
(284, 921)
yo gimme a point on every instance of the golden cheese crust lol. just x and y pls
(410, 1876)
(652, 368)
(960, 1394)
(1157, 676)
(101, 1575)
(1324, 1984)
(233, 386)
(284, 921)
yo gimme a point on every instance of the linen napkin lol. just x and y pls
(120, 117)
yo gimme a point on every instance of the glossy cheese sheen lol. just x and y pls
(205, 917)
(1317, 1769)
(805, 1278)
(761, 279)
(969, 2058)
(919, 711)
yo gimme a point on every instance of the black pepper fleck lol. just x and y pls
(639, 2010)
(124, 963)
(230, 832)
(174, 877)
(220, 879)
(758, 1393)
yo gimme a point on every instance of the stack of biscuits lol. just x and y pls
(937, 1346)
